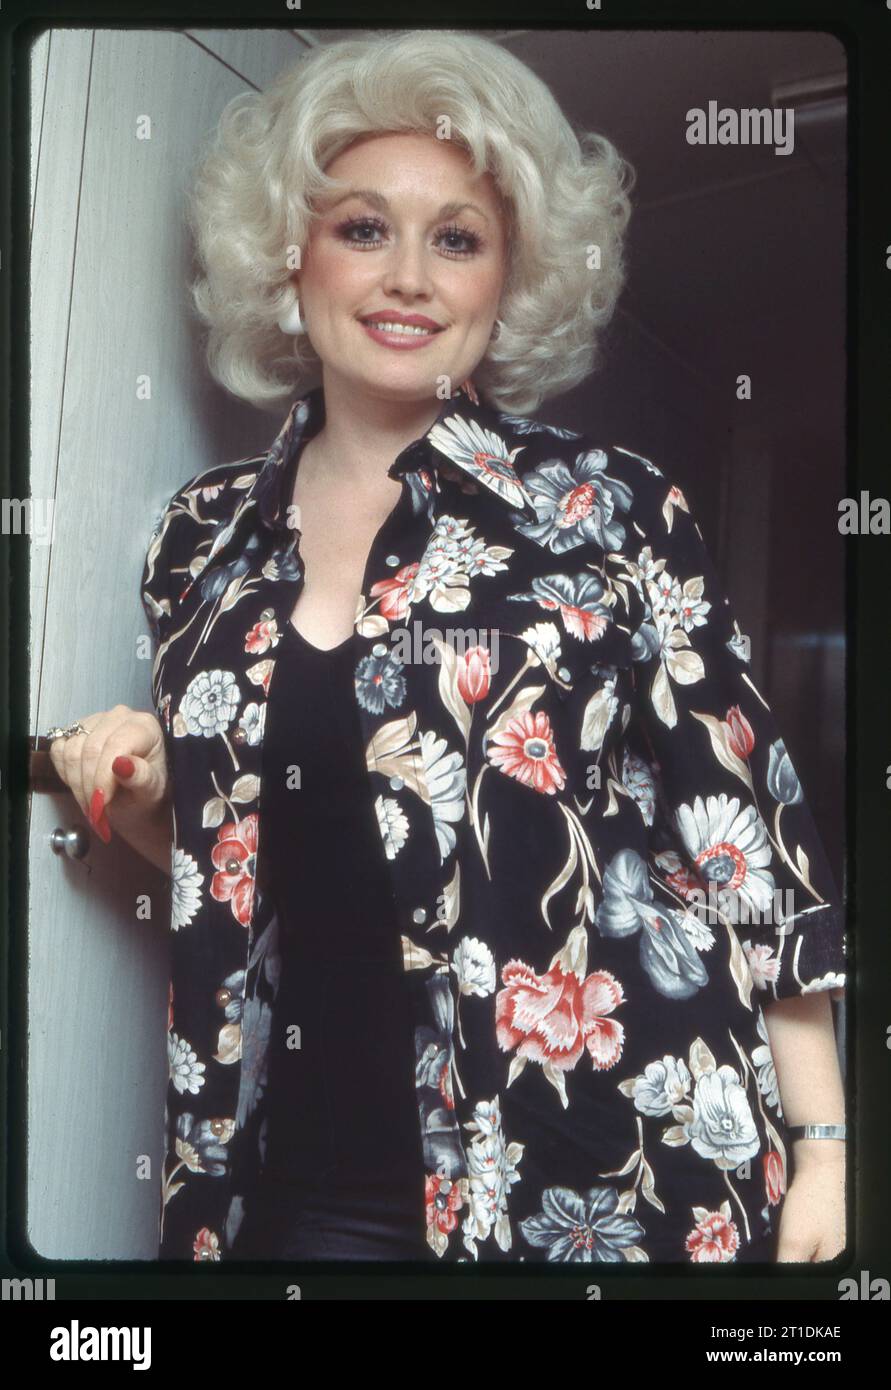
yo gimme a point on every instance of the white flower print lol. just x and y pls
(474, 965)
(480, 452)
(492, 1169)
(186, 1072)
(723, 1127)
(185, 889)
(450, 558)
(210, 702)
(762, 1060)
(663, 1085)
(253, 723)
(831, 980)
(446, 778)
(544, 639)
(637, 776)
(698, 933)
(392, 822)
(730, 847)
(675, 605)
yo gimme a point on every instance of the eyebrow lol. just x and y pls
(378, 201)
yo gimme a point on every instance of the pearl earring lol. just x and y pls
(290, 320)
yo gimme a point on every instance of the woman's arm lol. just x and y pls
(802, 1040)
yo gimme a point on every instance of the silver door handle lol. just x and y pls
(74, 842)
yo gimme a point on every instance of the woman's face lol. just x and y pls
(418, 239)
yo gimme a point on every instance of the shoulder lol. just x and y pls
(214, 490)
(634, 499)
(188, 521)
(201, 504)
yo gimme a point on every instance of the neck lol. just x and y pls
(364, 434)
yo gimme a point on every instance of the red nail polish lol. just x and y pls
(103, 829)
(96, 805)
(123, 766)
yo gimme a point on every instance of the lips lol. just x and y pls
(390, 322)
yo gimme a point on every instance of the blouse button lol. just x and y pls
(419, 914)
(217, 1126)
(239, 736)
(564, 674)
(379, 649)
(392, 560)
(223, 996)
(396, 784)
(233, 866)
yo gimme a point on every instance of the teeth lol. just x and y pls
(401, 328)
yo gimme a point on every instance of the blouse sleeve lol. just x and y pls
(731, 790)
(164, 570)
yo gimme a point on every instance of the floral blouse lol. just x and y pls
(601, 858)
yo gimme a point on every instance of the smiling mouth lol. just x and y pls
(400, 330)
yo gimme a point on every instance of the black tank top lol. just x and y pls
(343, 1117)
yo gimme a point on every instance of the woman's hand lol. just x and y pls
(121, 761)
(812, 1219)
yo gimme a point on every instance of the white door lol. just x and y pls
(122, 411)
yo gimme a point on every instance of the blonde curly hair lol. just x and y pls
(563, 194)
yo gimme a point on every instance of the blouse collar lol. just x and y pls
(468, 433)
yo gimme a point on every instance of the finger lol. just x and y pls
(91, 749)
(72, 757)
(128, 760)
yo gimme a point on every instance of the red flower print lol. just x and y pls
(740, 734)
(714, 1239)
(444, 1201)
(684, 880)
(774, 1177)
(577, 504)
(393, 593)
(234, 857)
(762, 963)
(445, 1086)
(474, 675)
(261, 637)
(554, 1017)
(581, 622)
(526, 751)
(206, 1245)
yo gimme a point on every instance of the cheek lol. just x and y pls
(476, 293)
(335, 277)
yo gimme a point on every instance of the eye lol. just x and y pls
(472, 240)
(363, 225)
(364, 233)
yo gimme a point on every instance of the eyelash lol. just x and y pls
(344, 228)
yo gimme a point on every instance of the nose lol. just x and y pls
(407, 271)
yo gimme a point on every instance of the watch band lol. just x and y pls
(818, 1131)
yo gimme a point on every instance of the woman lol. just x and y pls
(455, 737)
